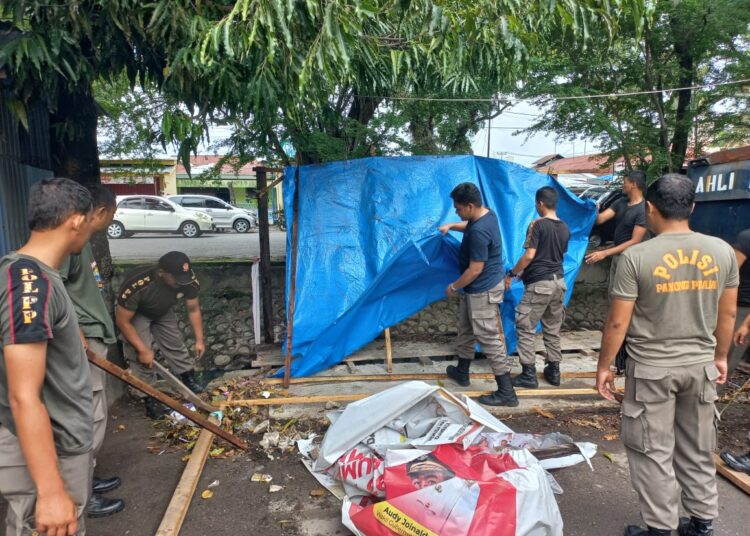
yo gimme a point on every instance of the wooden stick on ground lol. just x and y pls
(388, 351)
(173, 518)
(320, 399)
(354, 377)
(741, 480)
(197, 418)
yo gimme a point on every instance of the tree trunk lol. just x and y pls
(683, 119)
(75, 155)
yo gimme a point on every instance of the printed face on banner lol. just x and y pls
(426, 471)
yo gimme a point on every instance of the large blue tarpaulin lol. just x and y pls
(369, 254)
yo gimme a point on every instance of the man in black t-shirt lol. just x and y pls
(144, 316)
(742, 251)
(541, 268)
(481, 290)
(630, 221)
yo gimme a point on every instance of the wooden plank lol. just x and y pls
(400, 377)
(741, 480)
(271, 356)
(425, 361)
(178, 506)
(388, 351)
(351, 366)
(320, 399)
(194, 416)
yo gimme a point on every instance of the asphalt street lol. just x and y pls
(207, 246)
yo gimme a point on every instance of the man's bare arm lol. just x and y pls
(196, 320)
(615, 329)
(459, 226)
(470, 274)
(724, 330)
(124, 321)
(25, 365)
(604, 216)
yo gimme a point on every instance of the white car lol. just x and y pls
(225, 215)
(152, 214)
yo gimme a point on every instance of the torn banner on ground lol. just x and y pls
(418, 460)
(369, 254)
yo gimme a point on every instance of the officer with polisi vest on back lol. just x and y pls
(145, 316)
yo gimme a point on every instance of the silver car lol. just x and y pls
(225, 216)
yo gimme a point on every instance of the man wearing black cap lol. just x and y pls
(145, 316)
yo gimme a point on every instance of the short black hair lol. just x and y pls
(52, 201)
(466, 193)
(637, 177)
(673, 196)
(547, 196)
(102, 197)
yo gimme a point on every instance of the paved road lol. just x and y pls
(207, 246)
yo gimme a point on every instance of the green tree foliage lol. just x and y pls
(684, 43)
(280, 61)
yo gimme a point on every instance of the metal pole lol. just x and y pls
(292, 279)
(265, 255)
(489, 129)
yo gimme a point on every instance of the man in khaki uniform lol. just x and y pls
(675, 298)
(481, 290)
(84, 284)
(45, 388)
(541, 268)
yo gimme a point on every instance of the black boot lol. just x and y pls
(505, 394)
(103, 485)
(527, 378)
(635, 530)
(695, 527)
(552, 373)
(737, 463)
(188, 378)
(155, 409)
(460, 374)
(100, 506)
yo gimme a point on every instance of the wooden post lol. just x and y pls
(265, 254)
(173, 518)
(388, 351)
(292, 278)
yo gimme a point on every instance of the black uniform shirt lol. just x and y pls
(626, 218)
(742, 244)
(145, 293)
(550, 239)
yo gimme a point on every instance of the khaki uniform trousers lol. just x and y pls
(669, 432)
(163, 333)
(18, 489)
(543, 301)
(99, 392)
(738, 350)
(479, 321)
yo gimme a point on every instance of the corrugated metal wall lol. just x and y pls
(24, 159)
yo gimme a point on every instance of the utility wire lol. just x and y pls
(568, 97)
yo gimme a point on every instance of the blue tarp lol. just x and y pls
(369, 254)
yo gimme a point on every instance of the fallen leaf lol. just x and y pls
(610, 437)
(542, 412)
(441, 383)
(213, 484)
(207, 494)
(217, 452)
(608, 455)
(274, 488)
(185, 458)
(121, 427)
(318, 492)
